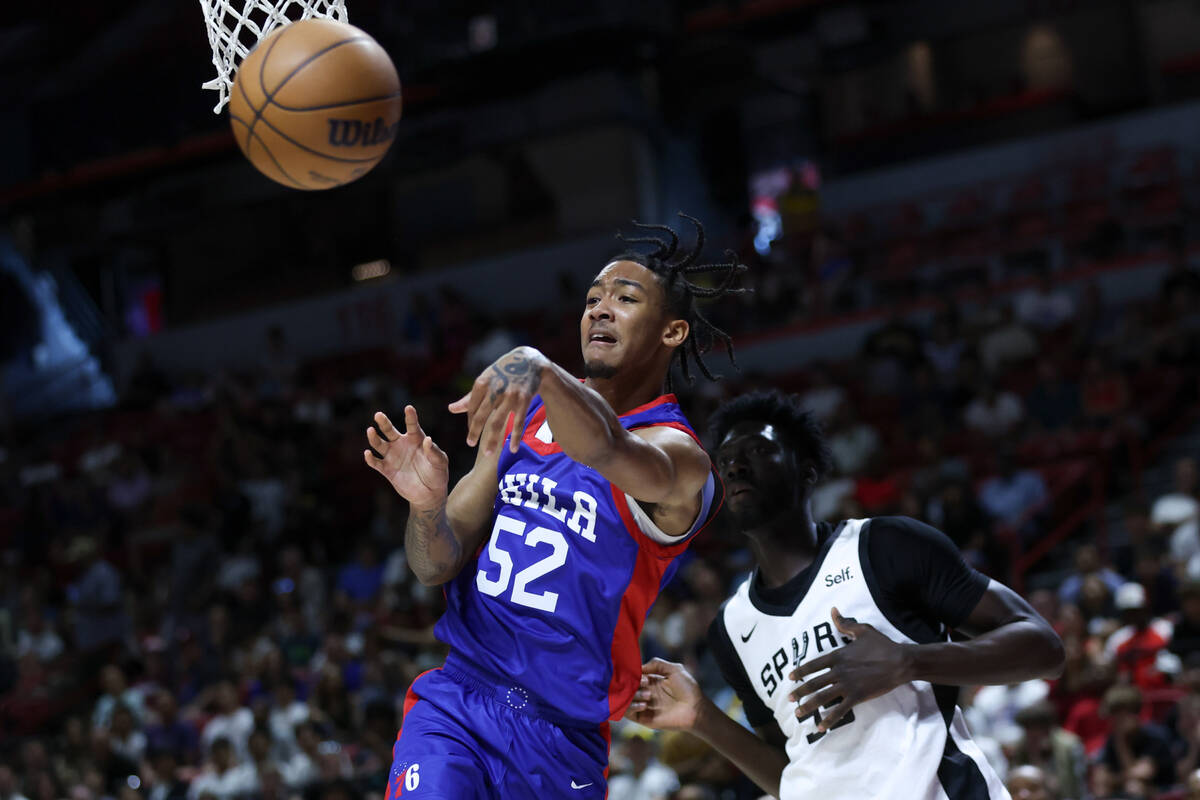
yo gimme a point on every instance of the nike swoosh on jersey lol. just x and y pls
(575, 785)
(746, 638)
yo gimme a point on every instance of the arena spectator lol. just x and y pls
(230, 722)
(1087, 564)
(1047, 306)
(1014, 496)
(225, 778)
(1008, 342)
(1178, 507)
(124, 737)
(164, 781)
(286, 712)
(303, 768)
(852, 441)
(992, 713)
(37, 636)
(100, 621)
(168, 732)
(993, 413)
(1136, 755)
(1134, 647)
(360, 580)
(1028, 782)
(1057, 753)
(116, 692)
(646, 778)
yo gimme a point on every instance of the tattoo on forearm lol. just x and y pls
(517, 370)
(429, 542)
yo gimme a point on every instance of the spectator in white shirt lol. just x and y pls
(1008, 342)
(646, 779)
(285, 714)
(124, 737)
(38, 637)
(1045, 307)
(852, 443)
(231, 722)
(224, 778)
(1175, 513)
(304, 767)
(994, 413)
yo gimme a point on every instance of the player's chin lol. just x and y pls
(597, 368)
(746, 510)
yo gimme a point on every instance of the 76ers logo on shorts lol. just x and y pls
(404, 777)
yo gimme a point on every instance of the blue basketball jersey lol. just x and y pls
(556, 599)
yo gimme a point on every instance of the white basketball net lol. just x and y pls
(235, 26)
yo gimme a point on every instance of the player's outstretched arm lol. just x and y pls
(670, 699)
(442, 531)
(652, 466)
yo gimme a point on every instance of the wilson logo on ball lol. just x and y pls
(356, 133)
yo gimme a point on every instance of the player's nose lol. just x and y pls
(735, 468)
(600, 311)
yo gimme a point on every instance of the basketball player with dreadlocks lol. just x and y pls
(837, 643)
(551, 550)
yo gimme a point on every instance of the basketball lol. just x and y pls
(316, 104)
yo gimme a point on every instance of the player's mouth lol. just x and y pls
(738, 488)
(601, 339)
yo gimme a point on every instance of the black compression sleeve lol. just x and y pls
(921, 574)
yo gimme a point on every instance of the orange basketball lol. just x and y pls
(315, 104)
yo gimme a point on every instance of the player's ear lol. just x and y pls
(808, 474)
(676, 332)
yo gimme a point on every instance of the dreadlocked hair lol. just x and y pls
(681, 293)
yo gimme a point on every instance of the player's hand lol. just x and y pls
(416, 467)
(505, 388)
(870, 666)
(668, 698)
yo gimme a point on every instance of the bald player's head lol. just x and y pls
(1028, 782)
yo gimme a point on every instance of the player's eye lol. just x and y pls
(591, 301)
(627, 299)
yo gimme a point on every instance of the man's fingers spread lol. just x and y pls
(378, 442)
(411, 423)
(386, 427)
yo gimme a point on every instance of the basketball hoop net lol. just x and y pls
(235, 26)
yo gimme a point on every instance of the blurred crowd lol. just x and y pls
(204, 594)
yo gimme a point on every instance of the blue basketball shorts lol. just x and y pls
(467, 738)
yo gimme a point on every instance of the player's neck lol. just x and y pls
(785, 546)
(626, 392)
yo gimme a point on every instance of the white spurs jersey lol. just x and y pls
(909, 744)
